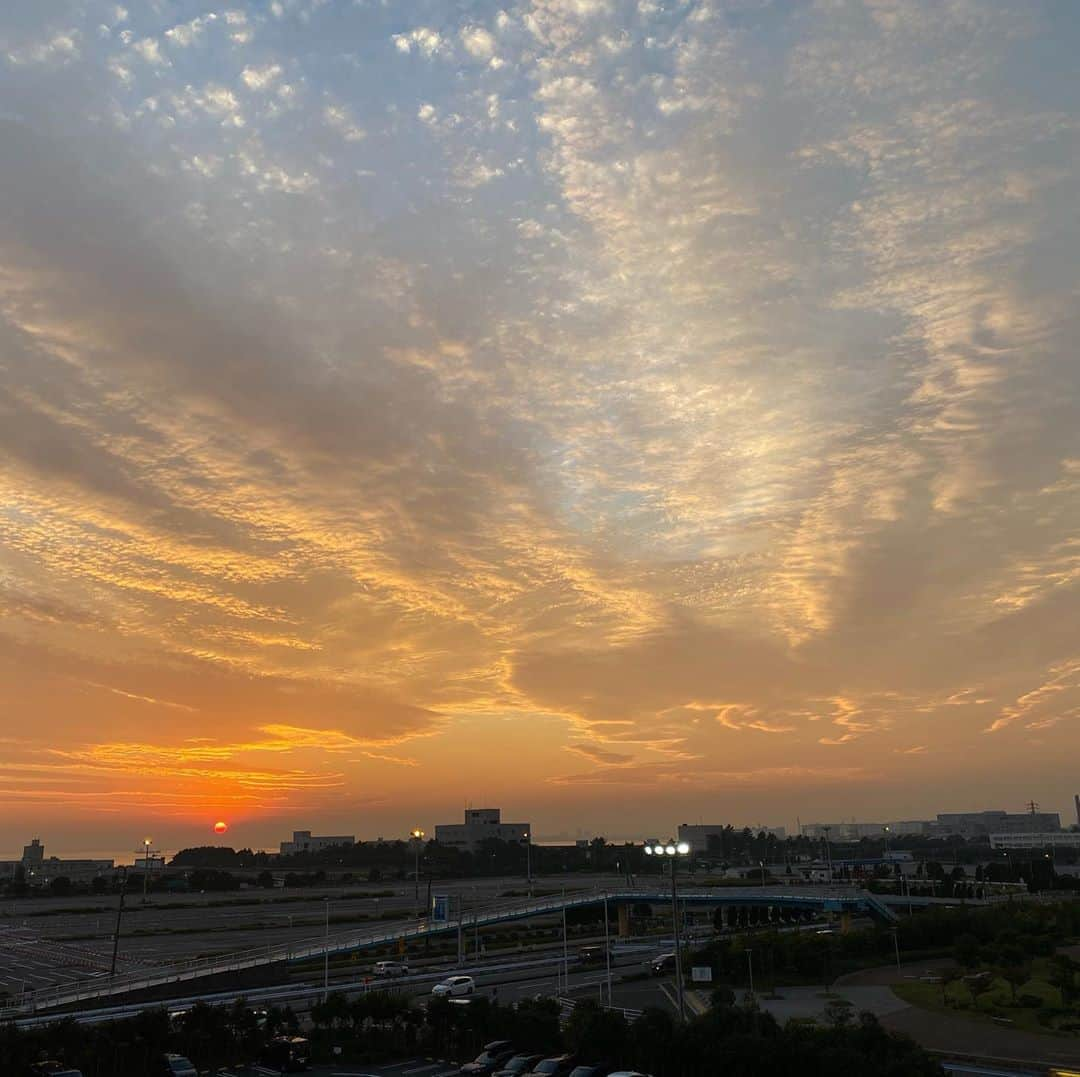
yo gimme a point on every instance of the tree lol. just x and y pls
(1015, 976)
(265, 879)
(1063, 973)
(60, 886)
(602, 1032)
(978, 985)
(966, 950)
(839, 1012)
(949, 976)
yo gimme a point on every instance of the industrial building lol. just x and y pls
(40, 870)
(304, 842)
(699, 836)
(480, 824)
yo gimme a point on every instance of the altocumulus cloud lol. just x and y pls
(695, 381)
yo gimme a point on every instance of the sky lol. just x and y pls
(623, 413)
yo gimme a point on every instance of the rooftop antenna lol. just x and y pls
(1033, 807)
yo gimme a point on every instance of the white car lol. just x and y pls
(453, 986)
(390, 968)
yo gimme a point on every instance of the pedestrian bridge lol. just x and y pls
(790, 898)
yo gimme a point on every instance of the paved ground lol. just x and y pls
(947, 1032)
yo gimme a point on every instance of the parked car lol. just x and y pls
(559, 1066)
(518, 1065)
(662, 964)
(628, 1073)
(390, 968)
(178, 1066)
(453, 986)
(287, 1054)
(591, 1069)
(493, 1057)
(52, 1068)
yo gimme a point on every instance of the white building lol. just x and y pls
(304, 842)
(40, 870)
(1063, 840)
(480, 824)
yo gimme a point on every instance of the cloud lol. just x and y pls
(260, 78)
(350, 400)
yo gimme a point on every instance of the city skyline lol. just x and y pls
(628, 412)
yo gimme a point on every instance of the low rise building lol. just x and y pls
(37, 869)
(976, 824)
(480, 824)
(706, 837)
(304, 842)
(1036, 840)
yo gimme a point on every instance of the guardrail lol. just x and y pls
(813, 897)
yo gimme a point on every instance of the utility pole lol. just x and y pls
(750, 969)
(418, 841)
(146, 867)
(119, 913)
(565, 947)
(607, 951)
(896, 946)
(326, 952)
(678, 944)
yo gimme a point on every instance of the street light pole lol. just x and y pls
(146, 867)
(896, 946)
(607, 951)
(418, 841)
(750, 968)
(326, 952)
(528, 860)
(672, 850)
(119, 913)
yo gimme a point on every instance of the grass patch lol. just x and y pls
(995, 1006)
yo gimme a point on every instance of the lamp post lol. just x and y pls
(326, 952)
(828, 851)
(119, 914)
(146, 867)
(528, 860)
(672, 850)
(418, 841)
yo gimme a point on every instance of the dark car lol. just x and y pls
(519, 1064)
(287, 1054)
(593, 955)
(662, 964)
(494, 1056)
(177, 1066)
(591, 1069)
(52, 1068)
(558, 1066)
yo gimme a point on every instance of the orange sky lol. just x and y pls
(622, 415)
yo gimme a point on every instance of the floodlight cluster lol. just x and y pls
(670, 849)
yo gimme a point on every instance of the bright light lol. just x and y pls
(670, 850)
(648, 850)
(220, 827)
(147, 842)
(683, 847)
